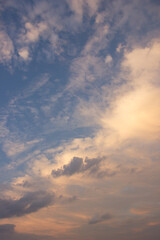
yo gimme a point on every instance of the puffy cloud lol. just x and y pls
(100, 218)
(77, 166)
(135, 114)
(119, 47)
(132, 108)
(36, 22)
(135, 111)
(91, 166)
(33, 32)
(108, 59)
(41, 166)
(24, 53)
(121, 111)
(30, 202)
(143, 63)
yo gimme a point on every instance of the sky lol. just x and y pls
(79, 119)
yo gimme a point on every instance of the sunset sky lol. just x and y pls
(80, 119)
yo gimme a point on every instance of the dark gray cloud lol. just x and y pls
(9, 228)
(77, 165)
(31, 202)
(100, 218)
(7, 232)
(64, 200)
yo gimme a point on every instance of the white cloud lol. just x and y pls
(100, 17)
(77, 7)
(93, 6)
(119, 47)
(13, 148)
(24, 53)
(41, 166)
(132, 109)
(144, 63)
(33, 32)
(108, 59)
(136, 114)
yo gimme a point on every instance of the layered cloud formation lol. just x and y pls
(79, 121)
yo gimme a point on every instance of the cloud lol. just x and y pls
(136, 114)
(77, 165)
(65, 200)
(108, 59)
(93, 6)
(86, 70)
(24, 53)
(140, 212)
(6, 47)
(33, 32)
(119, 47)
(135, 110)
(122, 114)
(100, 218)
(34, 86)
(30, 202)
(8, 232)
(14, 147)
(132, 105)
(78, 8)
(9, 228)
(90, 66)
(36, 22)
(143, 63)
(40, 166)
(97, 41)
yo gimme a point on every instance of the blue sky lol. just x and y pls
(79, 119)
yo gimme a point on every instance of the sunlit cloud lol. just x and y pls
(79, 121)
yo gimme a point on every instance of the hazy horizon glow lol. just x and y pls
(79, 120)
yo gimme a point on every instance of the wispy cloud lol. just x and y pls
(100, 218)
(8, 231)
(6, 48)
